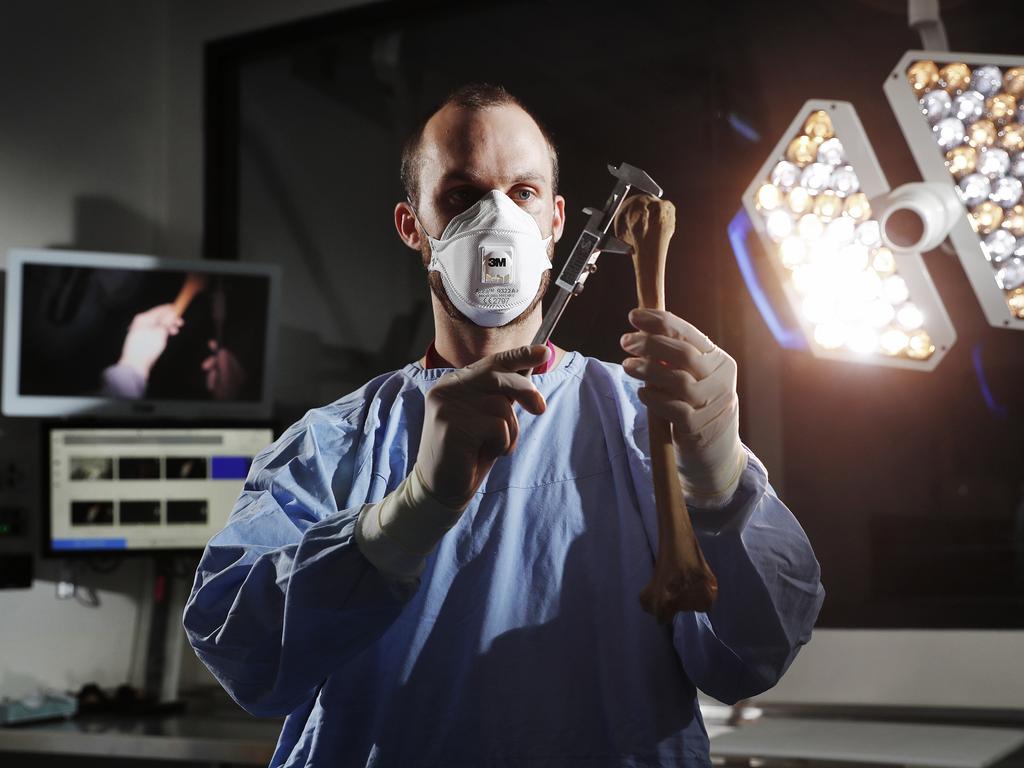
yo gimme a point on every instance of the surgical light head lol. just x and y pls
(966, 133)
(820, 205)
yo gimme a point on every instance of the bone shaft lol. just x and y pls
(668, 495)
(194, 283)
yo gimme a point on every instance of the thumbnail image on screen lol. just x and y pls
(134, 333)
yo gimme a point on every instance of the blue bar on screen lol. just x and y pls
(229, 467)
(90, 544)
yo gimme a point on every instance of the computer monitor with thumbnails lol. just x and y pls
(128, 489)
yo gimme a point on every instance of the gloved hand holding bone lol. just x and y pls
(691, 383)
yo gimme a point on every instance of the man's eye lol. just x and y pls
(463, 196)
(523, 195)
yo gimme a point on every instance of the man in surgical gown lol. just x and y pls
(443, 567)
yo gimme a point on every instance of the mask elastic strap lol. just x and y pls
(417, 218)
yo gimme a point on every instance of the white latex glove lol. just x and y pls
(147, 338)
(691, 383)
(469, 421)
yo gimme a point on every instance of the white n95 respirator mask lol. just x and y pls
(491, 258)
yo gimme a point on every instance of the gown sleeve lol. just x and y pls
(282, 596)
(769, 595)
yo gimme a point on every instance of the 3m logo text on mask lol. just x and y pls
(496, 264)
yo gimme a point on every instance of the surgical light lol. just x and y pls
(844, 181)
(813, 204)
(857, 207)
(810, 226)
(819, 126)
(981, 134)
(793, 252)
(799, 200)
(961, 160)
(920, 346)
(923, 75)
(1013, 274)
(910, 317)
(973, 189)
(785, 175)
(986, 217)
(802, 150)
(869, 233)
(993, 162)
(816, 177)
(1001, 108)
(1012, 137)
(1006, 191)
(999, 246)
(1013, 81)
(779, 224)
(984, 167)
(769, 197)
(831, 152)
(949, 132)
(987, 80)
(894, 341)
(884, 262)
(955, 78)
(968, 107)
(937, 105)
(839, 232)
(828, 205)
(1017, 165)
(1013, 220)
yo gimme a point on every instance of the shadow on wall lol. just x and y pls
(311, 373)
(102, 223)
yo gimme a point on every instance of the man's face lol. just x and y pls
(467, 153)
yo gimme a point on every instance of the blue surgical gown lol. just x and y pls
(523, 643)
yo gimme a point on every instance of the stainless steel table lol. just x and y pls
(206, 733)
(833, 742)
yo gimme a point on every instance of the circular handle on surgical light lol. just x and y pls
(917, 217)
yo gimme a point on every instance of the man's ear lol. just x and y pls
(558, 218)
(405, 223)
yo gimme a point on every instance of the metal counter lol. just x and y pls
(208, 733)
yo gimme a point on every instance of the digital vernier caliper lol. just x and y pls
(592, 242)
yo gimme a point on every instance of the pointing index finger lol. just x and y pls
(519, 358)
(498, 374)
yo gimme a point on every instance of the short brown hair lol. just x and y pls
(473, 96)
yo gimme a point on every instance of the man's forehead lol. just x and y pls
(493, 144)
(472, 175)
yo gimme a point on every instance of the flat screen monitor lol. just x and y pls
(131, 489)
(125, 335)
